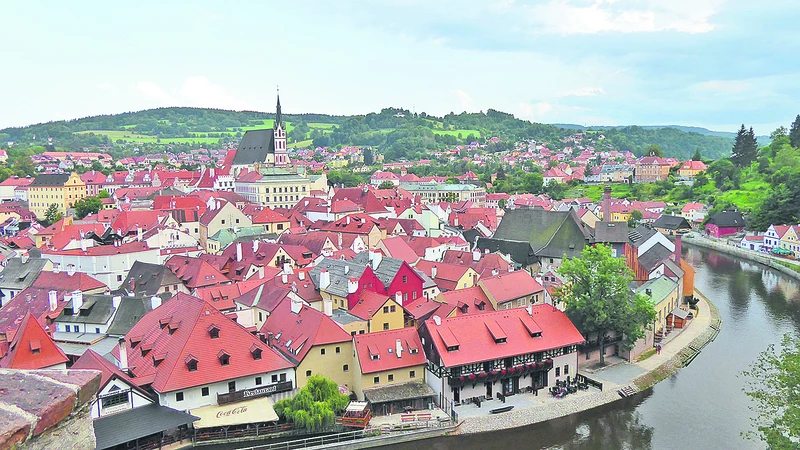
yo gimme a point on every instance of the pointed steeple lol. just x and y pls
(278, 119)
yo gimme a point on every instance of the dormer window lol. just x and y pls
(213, 331)
(224, 358)
(256, 352)
(191, 363)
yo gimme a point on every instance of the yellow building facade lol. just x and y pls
(62, 190)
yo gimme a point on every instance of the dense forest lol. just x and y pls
(397, 133)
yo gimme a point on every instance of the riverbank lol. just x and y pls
(631, 377)
(770, 261)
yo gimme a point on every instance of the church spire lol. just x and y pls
(278, 118)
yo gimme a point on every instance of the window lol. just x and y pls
(223, 221)
(283, 377)
(256, 352)
(345, 368)
(179, 396)
(204, 392)
(405, 278)
(231, 386)
(376, 380)
(97, 330)
(566, 369)
(119, 398)
(385, 309)
(214, 332)
(412, 374)
(338, 350)
(258, 381)
(405, 297)
(274, 378)
(322, 351)
(414, 295)
(308, 373)
(67, 328)
(385, 326)
(224, 360)
(391, 309)
(558, 371)
(391, 377)
(192, 365)
(237, 220)
(119, 277)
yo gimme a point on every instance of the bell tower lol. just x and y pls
(279, 136)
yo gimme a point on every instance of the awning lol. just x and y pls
(679, 313)
(137, 423)
(398, 392)
(251, 411)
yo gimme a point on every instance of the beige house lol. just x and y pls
(225, 215)
(62, 190)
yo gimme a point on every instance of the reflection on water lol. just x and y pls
(700, 407)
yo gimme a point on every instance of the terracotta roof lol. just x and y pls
(32, 348)
(399, 248)
(471, 334)
(468, 301)
(102, 250)
(91, 360)
(222, 297)
(63, 281)
(447, 275)
(354, 224)
(377, 352)
(185, 336)
(368, 304)
(194, 272)
(510, 286)
(295, 334)
(38, 304)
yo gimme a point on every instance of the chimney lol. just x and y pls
(83, 245)
(607, 204)
(324, 278)
(260, 272)
(476, 255)
(23, 258)
(70, 269)
(155, 302)
(375, 258)
(52, 297)
(529, 309)
(398, 348)
(347, 220)
(238, 252)
(297, 305)
(116, 301)
(284, 278)
(649, 292)
(123, 355)
(352, 285)
(301, 275)
(346, 269)
(77, 302)
(57, 268)
(327, 306)
(676, 255)
(398, 298)
(255, 246)
(287, 269)
(434, 269)
(139, 234)
(437, 320)
(495, 272)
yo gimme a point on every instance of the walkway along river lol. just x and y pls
(702, 406)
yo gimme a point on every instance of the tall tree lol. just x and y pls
(745, 147)
(697, 156)
(794, 133)
(369, 158)
(598, 299)
(655, 150)
(52, 215)
(86, 206)
(773, 383)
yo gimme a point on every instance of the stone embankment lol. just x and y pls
(768, 260)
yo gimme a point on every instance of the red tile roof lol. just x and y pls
(91, 360)
(79, 281)
(475, 343)
(295, 334)
(353, 224)
(377, 352)
(189, 319)
(31, 348)
(222, 297)
(368, 304)
(38, 304)
(129, 221)
(398, 248)
(447, 275)
(509, 286)
(470, 299)
(194, 272)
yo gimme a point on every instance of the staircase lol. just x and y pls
(627, 391)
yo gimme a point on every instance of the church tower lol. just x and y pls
(279, 136)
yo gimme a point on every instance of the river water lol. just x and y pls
(700, 407)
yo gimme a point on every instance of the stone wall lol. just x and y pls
(47, 409)
(739, 252)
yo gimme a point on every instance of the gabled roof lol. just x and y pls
(471, 299)
(654, 256)
(185, 337)
(368, 304)
(728, 219)
(18, 275)
(386, 270)
(340, 272)
(30, 300)
(447, 275)
(91, 360)
(377, 352)
(669, 222)
(510, 286)
(79, 281)
(223, 297)
(354, 224)
(47, 180)
(486, 264)
(254, 147)
(471, 335)
(399, 248)
(265, 296)
(294, 334)
(611, 232)
(549, 233)
(312, 241)
(660, 288)
(32, 348)
(195, 272)
(146, 279)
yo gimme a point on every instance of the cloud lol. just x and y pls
(154, 91)
(586, 92)
(200, 91)
(625, 16)
(464, 99)
(722, 86)
(106, 86)
(534, 111)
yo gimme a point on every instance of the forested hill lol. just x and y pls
(398, 133)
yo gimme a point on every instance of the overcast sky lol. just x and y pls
(710, 63)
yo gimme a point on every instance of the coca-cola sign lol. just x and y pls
(248, 394)
(232, 412)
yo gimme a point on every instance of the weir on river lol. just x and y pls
(702, 406)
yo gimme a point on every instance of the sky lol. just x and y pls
(710, 63)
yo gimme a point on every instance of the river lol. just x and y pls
(700, 407)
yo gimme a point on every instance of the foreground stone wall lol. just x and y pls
(47, 409)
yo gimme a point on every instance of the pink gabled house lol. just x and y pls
(725, 223)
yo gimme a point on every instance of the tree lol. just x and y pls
(86, 206)
(103, 194)
(635, 218)
(725, 174)
(315, 406)
(598, 299)
(779, 132)
(502, 203)
(386, 184)
(794, 133)
(555, 190)
(52, 215)
(773, 383)
(369, 158)
(697, 156)
(745, 147)
(655, 150)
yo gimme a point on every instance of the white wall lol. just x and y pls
(193, 398)
(135, 399)
(111, 269)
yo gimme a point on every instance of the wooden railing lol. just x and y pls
(580, 378)
(257, 431)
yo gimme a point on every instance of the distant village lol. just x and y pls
(196, 293)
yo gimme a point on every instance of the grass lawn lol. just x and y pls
(322, 126)
(595, 192)
(464, 133)
(133, 137)
(300, 144)
(748, 196)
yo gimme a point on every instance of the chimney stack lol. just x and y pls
(287, 269)
(324, 278)
(70, 269)
(155, 302)
(352, 285)
(77, 302)
(437, 320)
(607, 204)
(116, 301)
(123, 355)
(375, 258)
(676, 255)
(434, 269)
(476, 255)
(327, 306)
(57, 268)
(301, 275)
(255, 246)
(284, 278)
(52, 297)
(297, 305)
(398, 298)
(83, 245)
(238, 252)
(398, 348)
(23, 258)
(260, 272)
(139, 234)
